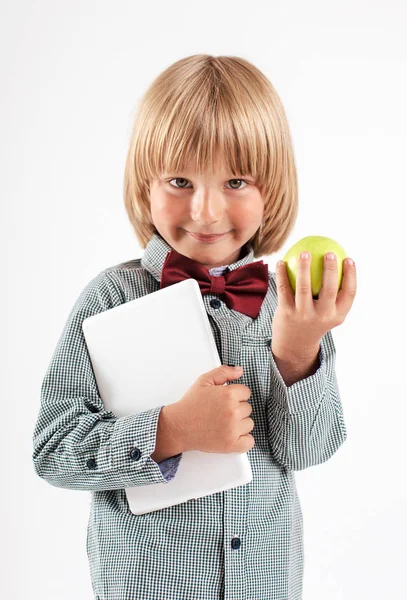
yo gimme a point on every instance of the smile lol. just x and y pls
(207, 238)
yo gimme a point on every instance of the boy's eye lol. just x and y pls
(183, 186)
(178, 179)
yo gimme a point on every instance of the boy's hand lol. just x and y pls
(300, 322)
(213, 416)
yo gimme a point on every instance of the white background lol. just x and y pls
(71, 76)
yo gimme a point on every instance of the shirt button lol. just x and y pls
(235, 543)
(91, 463)
(135, 453)
(215, 303)
(268, 343)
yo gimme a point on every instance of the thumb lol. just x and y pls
(221, 375)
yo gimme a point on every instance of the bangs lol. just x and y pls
(209, 122)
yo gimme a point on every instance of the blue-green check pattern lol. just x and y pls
(245, 543)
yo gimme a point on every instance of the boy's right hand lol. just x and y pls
(213, 416)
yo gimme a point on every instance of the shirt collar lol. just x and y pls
(157, 249)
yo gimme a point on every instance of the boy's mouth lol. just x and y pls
(207, 238)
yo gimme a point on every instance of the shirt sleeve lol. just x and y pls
(77, 443)
(305, 420)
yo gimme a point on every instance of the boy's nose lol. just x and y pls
(207, 209)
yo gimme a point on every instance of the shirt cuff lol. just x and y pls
(305, 394)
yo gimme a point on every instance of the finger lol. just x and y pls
(284, 291)
(347, 293)
(303, 295)
(329, 289)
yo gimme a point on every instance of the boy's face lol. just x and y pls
(208, 204)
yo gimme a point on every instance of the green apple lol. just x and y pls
(317, 246)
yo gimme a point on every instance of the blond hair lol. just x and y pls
(202, 105)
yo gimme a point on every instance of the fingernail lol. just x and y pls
(305, 255)
(330, 256)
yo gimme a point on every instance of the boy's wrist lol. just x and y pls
(175, 427)
(169, 439)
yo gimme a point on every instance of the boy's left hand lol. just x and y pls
(299, 321)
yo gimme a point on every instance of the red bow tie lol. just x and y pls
(242, 289)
